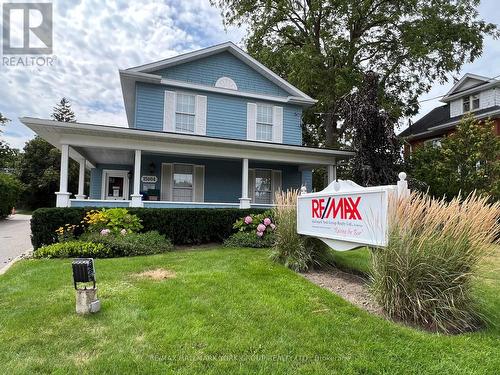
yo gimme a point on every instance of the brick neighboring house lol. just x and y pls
(472, 93)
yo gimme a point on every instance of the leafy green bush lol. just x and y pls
(295, 251)
(249, 239)
(10, 190)
(424, 276)
(74, 249)
(181, 226)
(131, 244)
(115, 220)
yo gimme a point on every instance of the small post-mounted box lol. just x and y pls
(83, 271)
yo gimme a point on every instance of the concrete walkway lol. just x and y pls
(14, 238)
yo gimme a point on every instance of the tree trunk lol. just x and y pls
(331, 130)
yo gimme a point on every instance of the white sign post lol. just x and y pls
(346, 216)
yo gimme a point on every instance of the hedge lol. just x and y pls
(181, 226)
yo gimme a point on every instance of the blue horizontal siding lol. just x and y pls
(226, 114)
(93, 203)
(96, 178)
(207, 70)
(190, 205)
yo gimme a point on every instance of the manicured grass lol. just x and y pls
(227, 311)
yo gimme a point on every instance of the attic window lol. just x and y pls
(226, 83)
(474, 99)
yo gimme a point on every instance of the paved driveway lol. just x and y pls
(14, 237)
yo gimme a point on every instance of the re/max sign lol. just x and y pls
(340, 208)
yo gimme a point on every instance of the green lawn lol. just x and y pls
(227, 311)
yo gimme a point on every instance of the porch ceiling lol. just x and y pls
(98, 144)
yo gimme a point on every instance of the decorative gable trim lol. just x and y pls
(235, 51)
(455, 92)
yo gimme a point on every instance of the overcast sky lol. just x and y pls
(93, 39)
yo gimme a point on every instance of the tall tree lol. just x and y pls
(3, 120)
(63, 112)
(373, 138)
(324, 46)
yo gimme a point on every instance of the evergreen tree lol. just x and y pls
(63, 112)
(372, 138)
(3, 119)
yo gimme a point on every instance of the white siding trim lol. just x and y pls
(251, 121)
(277, 124)
(169, 111)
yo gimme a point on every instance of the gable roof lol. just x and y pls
(468, 84)
(438, 121)
(145, 73)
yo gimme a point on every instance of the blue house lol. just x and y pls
(210, 128)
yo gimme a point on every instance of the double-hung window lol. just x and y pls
(263, 186)
(470, 103)
(182, 189)
(185, 113)
(264, 129)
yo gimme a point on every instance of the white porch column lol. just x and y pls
(332, 173)
(63, 194)
(244, 200)
(81, 180)
(136, 196)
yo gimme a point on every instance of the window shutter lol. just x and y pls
(199, 183)
(166, 182)
(277, 124)
(276, 183)
(251, 184)
(251, 121)
(201, 115)
(169, 112)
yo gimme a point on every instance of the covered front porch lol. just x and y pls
(138, 168)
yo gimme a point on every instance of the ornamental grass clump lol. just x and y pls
(295, 251)
(425, 275)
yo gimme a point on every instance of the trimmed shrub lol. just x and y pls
(131, 244)
(181, 226)
(425, 274)
(113, 219)
(10, 189)
(249, 239)
(75, 249)
(295, 251)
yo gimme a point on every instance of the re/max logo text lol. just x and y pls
(333, 208)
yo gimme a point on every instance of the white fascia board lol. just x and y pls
(455, 122)
(235, 51)
(91, 135)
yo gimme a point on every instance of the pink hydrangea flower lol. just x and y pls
(123, 232)
(261, 228)
(248, 220)
(273, 227)
(260, 234)
(267, 221)
(105, 232)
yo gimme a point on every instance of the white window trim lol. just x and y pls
(115, 173)
(430, 142)
(255, 184)
(172, 183)
(185, 113)
(257, 122)
(471, 101)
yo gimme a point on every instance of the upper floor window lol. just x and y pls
(470, 103)
(435, 142)
(185, 113)
(264, 129)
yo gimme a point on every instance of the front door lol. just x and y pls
(115, 185)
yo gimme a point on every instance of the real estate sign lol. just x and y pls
(346, 215)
